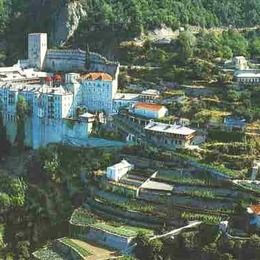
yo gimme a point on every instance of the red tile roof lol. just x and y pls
(97, 76)
(255, 209)
(148, 106)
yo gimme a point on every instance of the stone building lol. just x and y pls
(167, 135)
(248, 77)
(150, 95)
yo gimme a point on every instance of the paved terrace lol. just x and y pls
(157, 186)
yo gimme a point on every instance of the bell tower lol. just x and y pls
(37, 48)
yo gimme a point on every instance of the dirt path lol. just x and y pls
(98, 252)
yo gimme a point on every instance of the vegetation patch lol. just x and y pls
(47, 253)
(121, 229)
(133, 205)
(206, 218)
(178, 179)
(224, 136)
(75, 246)
(82, 217)
(85, 218)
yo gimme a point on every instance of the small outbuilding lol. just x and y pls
(149, 110)
(119, 170)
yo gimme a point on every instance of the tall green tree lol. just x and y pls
(21, 115)
(148, 249)
(4, 143)
(186, 43)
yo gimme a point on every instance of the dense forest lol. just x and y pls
(137, 14)
(150, 13)
(132, 16)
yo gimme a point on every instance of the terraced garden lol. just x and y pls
(133, 205)
(254, 187)
(188, 177)
(82, 217)
(122, 209)
(206, 218)
(69, 242)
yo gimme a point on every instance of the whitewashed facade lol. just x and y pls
(117, 171)
(171, 136)
(149, 110)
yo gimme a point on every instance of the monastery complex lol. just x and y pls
(57, 84)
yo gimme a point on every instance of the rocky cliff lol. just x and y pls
(66, 21)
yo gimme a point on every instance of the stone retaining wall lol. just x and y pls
(109, 239)
(100, 236)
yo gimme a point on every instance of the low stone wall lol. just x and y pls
(100, 236)
(109, 239)
(41, 132)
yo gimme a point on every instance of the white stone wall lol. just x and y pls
(98, 95)
(108, 239)
(66, 106)
(75, 60)
(65, 60)
(41, 132)
(121, 103)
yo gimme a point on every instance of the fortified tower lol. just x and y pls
(37, 49)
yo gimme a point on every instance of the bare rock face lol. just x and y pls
(66, 21)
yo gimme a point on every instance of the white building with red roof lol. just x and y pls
(254, 211)
(97, 90)
(94, 91)
(149, 110)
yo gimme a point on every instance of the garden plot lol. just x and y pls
(127, 204)
(96, 252)
(213, 193)
(83, 251)
(82, 217)
(154, 163)
(47, 253)
(188, 175)
(249, 186)
(203, 203)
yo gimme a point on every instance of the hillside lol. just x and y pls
(62, 19)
